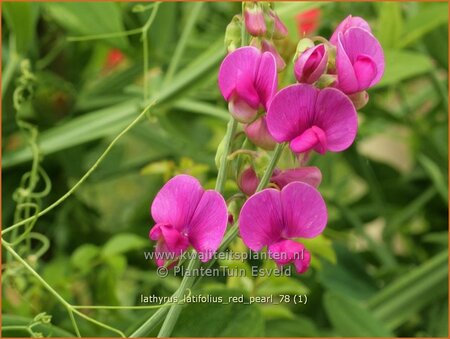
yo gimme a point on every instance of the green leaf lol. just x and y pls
(122, 243)
(281, 285)
(409, 294)
(401, 65)
(21, 18)
(90, 18)
(321, 247)
(348, 276)
(234, 319)
(427, 19)
(438, 179)
(107, 121)
(390, 24)
(350, 319)
(84, 256)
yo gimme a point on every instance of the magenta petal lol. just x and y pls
(267, 78)
(175, 203)
(355, 45)
(267, 46)
(313, 138)
(348, 23)
(260, 220)
(309, 175)
(304, 211)
(170, 243)
(338, 119)
(208, 224)
(287, 251)
(365, 70)
(241, 63)
(290, 111)
(347, 81)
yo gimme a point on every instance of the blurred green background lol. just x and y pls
(380, 268)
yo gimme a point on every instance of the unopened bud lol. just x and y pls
(259, 135)
(233, 33)
(254, 19)
(267, 46)
(311, 64)
(279, 29)
(359, 99)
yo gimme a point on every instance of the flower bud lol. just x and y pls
(233, 33)
(359, 99)
(279, 30)
(311, 64)
(267, 46)
(248, 181)
(259, 135)
(254, 19)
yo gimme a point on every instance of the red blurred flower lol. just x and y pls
(308, 21)
(113, 59)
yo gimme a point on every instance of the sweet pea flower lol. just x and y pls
(259, 135)
(273, 218)
(312, 119)
(187, 215)
(267, 46)
(347, 23)
(248, 80)
(359, 60)
(280, 30)
(311, 64)
(248, 180)
(255, 23)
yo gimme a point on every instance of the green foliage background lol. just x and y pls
(380, 269)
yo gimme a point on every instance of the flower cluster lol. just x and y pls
(316, 114)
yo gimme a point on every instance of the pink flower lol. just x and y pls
(259, 135)
(280, 31)
(312, 119)
(359, 60)
(311, 64)
(267, 46)
(254, 20)
(348, 23)
(248, 181)
(187, 215)
(272, 218)
(248, 80)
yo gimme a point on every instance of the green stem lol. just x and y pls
(74, 323)
(150, 323)
(188, 281)
(10, 69)
(68, 306)
(222, 174)
(104, 36)
(174, 312)
(269, 171)
(85, 176)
